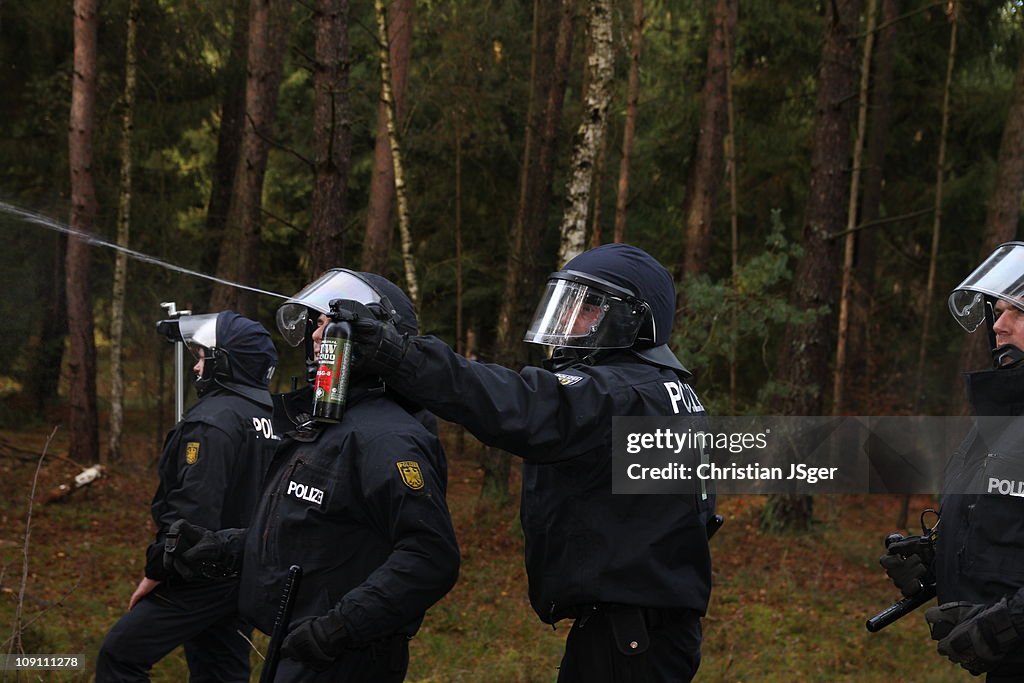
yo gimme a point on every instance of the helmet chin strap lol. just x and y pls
(1007, 356)
(564, 356)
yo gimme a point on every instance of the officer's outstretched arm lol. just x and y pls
(530, 413)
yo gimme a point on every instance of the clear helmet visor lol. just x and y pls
(1000, 276)
(337, 283)
(199, 332)
(576, 314)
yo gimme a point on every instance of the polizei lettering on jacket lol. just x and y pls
(1006, 487)
(305, 492)
(682, 393)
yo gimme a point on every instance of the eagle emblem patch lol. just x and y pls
(568, 380)
(411, 475)
(191, 452)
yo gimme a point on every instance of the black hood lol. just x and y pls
(251, 354)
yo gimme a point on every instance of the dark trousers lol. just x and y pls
(385, 661)
(598, 649)
(204, 618)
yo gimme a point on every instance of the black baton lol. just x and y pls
(281, 623)
(898, 610)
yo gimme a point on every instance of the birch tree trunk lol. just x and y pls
(123, 230)
(84, 420)
(596, 192)
(802, 364)
(268, 40)
(332, 136)
(839, 372)
(629, 131)
(387, 96)
(590, 135)
(706, 174)
(377, 241)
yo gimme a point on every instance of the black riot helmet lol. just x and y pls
(972, 302)
(297, 317)
(238, 354)
(615, 296)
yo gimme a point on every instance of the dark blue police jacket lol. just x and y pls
(211, 468)
(360, 506)
(584, 545)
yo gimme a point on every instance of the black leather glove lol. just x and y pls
(908, 563)
(193, 552)
(378, 347)
(976, 637)
(315, 641)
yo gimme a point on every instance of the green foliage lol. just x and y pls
(741, 316)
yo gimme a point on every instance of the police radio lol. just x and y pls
(330, 387)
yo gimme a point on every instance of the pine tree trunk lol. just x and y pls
(229, 135)
(401, 198)
(525, 265)
(377, 241)
(239, 253)
(846, 289)
(332, 136)
(84, 420)
(922, 351)
(1003, 214)
(879, 110)
(590, 135)
(734, 231)
(803, 361)
(629, 131)
(123, 230)
(706, 173)
(42, 376)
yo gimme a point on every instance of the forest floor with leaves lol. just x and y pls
(784, 608)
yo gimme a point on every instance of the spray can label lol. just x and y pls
(332, 376)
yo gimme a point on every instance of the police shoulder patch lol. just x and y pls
(411, 474)
(568, 380)
(191, 452)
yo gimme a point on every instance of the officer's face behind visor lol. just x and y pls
(582, 312)
(1000, 276)
(337, 283)
(199, 332)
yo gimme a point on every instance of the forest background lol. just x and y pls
(817, 176)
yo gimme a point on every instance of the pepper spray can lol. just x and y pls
(332, 374)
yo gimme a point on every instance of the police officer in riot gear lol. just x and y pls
(978, 559)
(210, 472)
(358, 504)
(633, 570)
